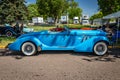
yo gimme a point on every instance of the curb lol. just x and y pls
(3, 47)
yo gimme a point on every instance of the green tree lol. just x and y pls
(97, 15)
(52, 8)
(74, 9)
(12, 10)
(108, 6)
(32, 11)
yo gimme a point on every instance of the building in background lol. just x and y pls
(97, 22)
(64, 19)
(37, 20)
(85, 20)
(76, 20)
(50, 20)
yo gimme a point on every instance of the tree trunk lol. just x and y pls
(56, 20)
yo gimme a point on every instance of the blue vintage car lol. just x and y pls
(77, 40)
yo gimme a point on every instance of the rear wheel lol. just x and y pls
(28, 49)
(9, 34)
(100, 48)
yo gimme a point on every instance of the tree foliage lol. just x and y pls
(32, 11)
(97, 15)
(74, 9)
(12, 10)
(109, 6)
(52, 8)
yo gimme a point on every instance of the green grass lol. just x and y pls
(77, 26)
(4, 41)
(39, 28)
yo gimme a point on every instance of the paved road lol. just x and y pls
(60, 65)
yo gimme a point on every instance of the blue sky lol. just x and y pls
(89, 7)
(30, 1)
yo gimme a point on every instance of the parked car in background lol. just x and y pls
(8, 31)
(11, 31)
(95, 41)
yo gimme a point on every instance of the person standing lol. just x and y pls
(16, 27)
(21, 28)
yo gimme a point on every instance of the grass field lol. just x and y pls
(4, 41)
(39, 28)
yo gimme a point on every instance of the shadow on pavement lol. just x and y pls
(16, 55)
(112, 55)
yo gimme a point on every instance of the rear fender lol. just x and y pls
(18, 43)
(32, 39)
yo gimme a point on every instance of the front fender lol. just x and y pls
(16, 46)
(88, 45)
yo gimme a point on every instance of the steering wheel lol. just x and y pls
(66, 28)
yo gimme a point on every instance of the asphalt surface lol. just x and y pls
(59, 65)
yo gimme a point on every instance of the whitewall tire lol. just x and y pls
(100, 48)
(28, 49)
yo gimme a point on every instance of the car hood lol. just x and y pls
(35, 34)
(88, 32)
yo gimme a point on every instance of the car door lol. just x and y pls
(76, 38)
(61, 39)
(57, 39)
(66, 39)
(46, 37)
(52, 38)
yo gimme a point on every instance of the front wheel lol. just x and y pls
(100, 48)
(28, 49)
(9, 34)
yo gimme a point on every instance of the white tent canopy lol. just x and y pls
(113, 15)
